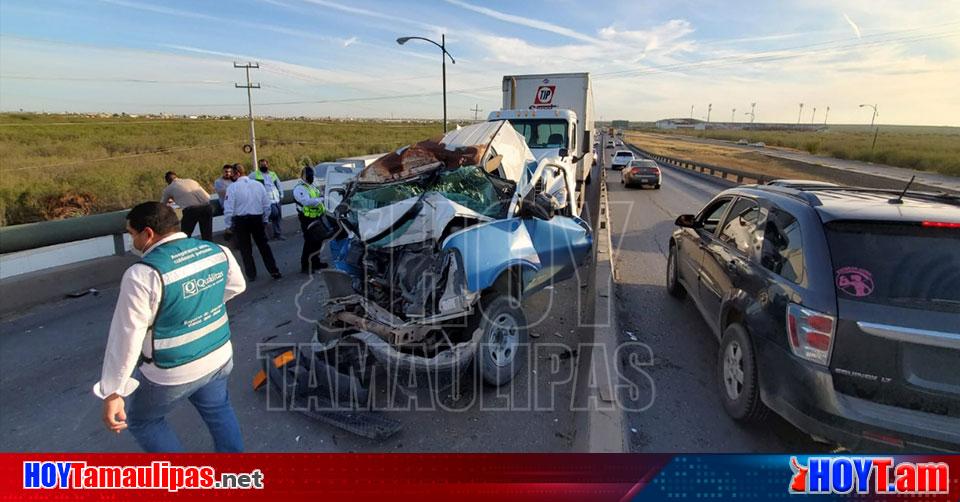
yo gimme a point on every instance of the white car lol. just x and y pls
(621, 159)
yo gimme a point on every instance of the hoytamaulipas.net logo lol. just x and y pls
(866, 475)
(159, 475)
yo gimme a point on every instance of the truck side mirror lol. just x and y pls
(564, 152)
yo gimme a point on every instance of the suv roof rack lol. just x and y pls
(805, 192)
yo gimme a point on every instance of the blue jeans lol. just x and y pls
(276, 216)
(150, 403)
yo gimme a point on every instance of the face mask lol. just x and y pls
(309, 179)
(136, 252)
(264, 169)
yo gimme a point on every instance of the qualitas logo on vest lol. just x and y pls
(194, 286)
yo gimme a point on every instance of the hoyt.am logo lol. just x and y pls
(877, 475)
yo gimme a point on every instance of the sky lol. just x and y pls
(649, 59)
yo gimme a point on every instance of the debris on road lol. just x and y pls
(86, 292)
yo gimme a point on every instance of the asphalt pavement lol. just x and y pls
(677, 408)
(50, 357)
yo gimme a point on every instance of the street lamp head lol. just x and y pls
(402, 40)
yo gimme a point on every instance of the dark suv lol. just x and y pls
(836, 307)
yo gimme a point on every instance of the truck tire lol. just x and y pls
(504, 342)
(737, 376)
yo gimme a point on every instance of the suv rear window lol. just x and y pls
(905, 265)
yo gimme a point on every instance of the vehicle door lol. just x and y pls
(727, 255)
(691, 242)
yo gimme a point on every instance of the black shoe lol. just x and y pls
(275, 275)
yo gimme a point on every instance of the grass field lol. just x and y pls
(935, 149)
(56, 166)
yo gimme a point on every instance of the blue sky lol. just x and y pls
(649, 59)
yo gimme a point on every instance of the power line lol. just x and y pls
(476, 111)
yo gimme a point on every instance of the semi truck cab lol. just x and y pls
(552, 134)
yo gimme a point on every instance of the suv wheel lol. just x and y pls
(503, 344)
(673, 283)
(737, 376)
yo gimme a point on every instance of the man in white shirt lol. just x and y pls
(170, 336)
(247, 211)
(271, 182)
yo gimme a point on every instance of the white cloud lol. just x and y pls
(350, 41)
(856, 29)
(665, 37)
(524, 21)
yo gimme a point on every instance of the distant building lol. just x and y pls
(620, 124)
(681, 124)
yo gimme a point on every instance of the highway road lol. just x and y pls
(682, 408)
(50, 357)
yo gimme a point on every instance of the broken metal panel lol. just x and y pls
(501, 139)
(490, 248)
(464, 192)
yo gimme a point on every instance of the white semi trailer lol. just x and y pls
(554, 113)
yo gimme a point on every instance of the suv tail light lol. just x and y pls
(810, 333)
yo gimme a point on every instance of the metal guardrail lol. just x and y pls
(711, 169)
(49, 233)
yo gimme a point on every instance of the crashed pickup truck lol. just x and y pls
(439, 243)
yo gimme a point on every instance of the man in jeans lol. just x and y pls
(193, 200)
(170, 336)
(271, 182)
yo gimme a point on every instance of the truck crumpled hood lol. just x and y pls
(394, 205)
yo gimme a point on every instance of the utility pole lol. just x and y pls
(813, 116)
(825, 115)
(800, 114)
(476, 111)
(733, 115)
(876, 130)
(752, 115)
(709, 109)
(248, 87)
(691, 111)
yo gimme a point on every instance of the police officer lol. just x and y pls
(170, 337)
(271, 182)
(310, 211)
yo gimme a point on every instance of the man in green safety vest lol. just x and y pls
(310, 211)
(271, 182)
(170, 337)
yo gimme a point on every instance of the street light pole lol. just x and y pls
(443, 54)
(799, 115)
(443, 59)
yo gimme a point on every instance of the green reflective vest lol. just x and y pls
(272, 190)
(311, 211)
(191, 320)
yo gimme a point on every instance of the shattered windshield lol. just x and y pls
(468, 186)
